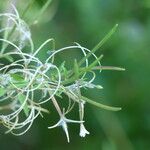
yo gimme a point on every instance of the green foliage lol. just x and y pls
(28, 75)
(2, 91)
(22, 99)
(87, 22)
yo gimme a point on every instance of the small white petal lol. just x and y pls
(83, 131)
(73, 121)
(65, 128)
(55, 125)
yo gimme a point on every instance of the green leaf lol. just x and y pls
(89, 68)
(27, 8)
(20, 84)
(21, 98)
(17, 77)
(100, 105)
(9, 58)
(62, 66)
(108, 68)
(18, 80)
(76, 69)
(105, 39)
(63, 70)
(43, 10)
(2, 91)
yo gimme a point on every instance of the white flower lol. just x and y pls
(63, 123)
(83, 130)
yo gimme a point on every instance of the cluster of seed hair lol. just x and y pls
(25, 75)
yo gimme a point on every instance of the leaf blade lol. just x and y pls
(21, 98)
(101, 105)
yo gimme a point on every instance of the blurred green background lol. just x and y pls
(87, 22)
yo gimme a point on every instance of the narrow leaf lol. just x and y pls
(43, 9)
(21, 99)
(106, 38)
(27, 8)
(2, 91)
(76, 69)
(108, 68)
(17, 77)
(9, 58)
(101, 105)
